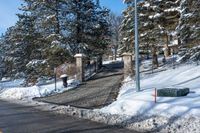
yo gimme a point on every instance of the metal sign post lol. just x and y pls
(137, 69)
(55, 79)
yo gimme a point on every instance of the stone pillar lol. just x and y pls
(80, 70)
(128, 65)
(166, 51)
(110, 57)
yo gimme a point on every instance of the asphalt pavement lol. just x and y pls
(101, 90)
(16, 118)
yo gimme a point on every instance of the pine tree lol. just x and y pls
(126, 29)
(22, 40)
(5, 50)
(167, 17)
(87, 27)
(24, 43)
(100, 35)
(148, 29)
(2, 55)
(158, 21)
(50, 32)
(189, 23)
(50, 23)
(189, 33)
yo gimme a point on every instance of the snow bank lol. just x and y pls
(112, 61)
(132, 103)
(27, 93)
(7, 83)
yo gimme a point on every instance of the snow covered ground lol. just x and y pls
(134, 110)
(132, 103)
(112, 61)
(12, 91)
(7, 83)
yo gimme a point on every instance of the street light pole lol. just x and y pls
(137, 69)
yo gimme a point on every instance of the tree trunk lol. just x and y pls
(78, 31)
(147, 50)
(115, 53)
(57, 19)
(166, 47)
(154, 57)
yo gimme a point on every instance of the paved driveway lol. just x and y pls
(99, 91)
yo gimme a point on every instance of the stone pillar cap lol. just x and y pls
(79, 56)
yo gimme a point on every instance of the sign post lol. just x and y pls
(55, 79)
(137, 69)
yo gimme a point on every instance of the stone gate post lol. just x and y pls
(80, 67)
(128, 65)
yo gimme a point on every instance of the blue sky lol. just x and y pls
(116, 6)
(9, 8)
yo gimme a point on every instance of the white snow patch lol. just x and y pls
(112, 61)
(63, 76)
(27, 93)
(4, 79)
(7, 83)
(132, 103)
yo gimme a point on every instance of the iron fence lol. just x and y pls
(90, 70)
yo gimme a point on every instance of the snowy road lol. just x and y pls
(23, 119)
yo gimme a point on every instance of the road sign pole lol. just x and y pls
(137, 69)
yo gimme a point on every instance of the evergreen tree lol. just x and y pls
(48, 50)
(2, 55)
(50, 32)
(189, 23)
(87, 27)
(22, 40)
(5, 47)
(50, 23)
(189, 32)
(127, 27)
(169, 14)
(149, 30)
(158, 20)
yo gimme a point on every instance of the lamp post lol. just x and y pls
(137, 69)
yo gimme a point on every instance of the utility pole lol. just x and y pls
(137, 65)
